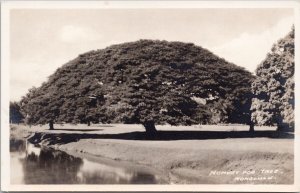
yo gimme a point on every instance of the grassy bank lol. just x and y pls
(196, 154)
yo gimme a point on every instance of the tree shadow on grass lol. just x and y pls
(83, 130)
(63, 138)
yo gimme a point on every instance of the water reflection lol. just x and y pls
(16, 145)
(54, 167)
(32, 164)
(92, 173)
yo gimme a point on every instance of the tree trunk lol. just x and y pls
(281, 128)
(150, 127)
(251, 128)
(51, 127)
(88, 123)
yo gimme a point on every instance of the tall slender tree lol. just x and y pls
(274, 86)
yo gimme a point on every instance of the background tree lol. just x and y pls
(146, 82)
(274, 86)
(15, 115)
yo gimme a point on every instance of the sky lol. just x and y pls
(41, 40)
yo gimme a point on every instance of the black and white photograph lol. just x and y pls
(151, 95)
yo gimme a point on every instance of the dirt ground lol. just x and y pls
(202, 154)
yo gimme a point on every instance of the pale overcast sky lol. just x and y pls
(43, 40)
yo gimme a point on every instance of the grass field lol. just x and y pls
(202, 154)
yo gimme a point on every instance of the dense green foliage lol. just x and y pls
(146, 82)
(15, 115)
(274, 86)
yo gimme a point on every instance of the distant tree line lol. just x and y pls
(158, 82)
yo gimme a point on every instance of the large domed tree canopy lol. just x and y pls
(273, 88)
(146, 82)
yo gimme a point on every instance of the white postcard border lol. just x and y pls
(5, 161)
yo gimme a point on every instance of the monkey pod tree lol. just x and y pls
(145, 82)
(274, 86)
